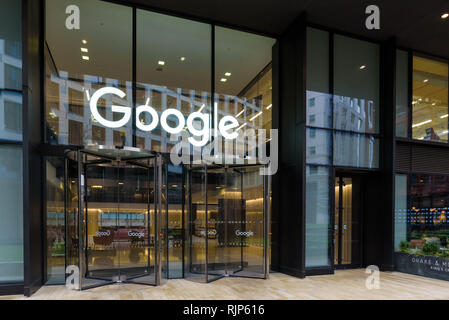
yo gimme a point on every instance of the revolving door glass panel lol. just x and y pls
(119, 228)
(227, 222)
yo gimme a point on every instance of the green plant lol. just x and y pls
(404, 246)
(431, 248)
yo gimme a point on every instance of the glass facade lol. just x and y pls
(421, 225)
(342, 117)
(11, 179)
(430, 100)
(171, 69)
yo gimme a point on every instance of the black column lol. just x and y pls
(291, 176)
(379, 223)
(33, 182)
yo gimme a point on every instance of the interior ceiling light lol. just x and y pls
(269, 107)
(228, 74)
(426, 80)
(362, 67)
(421, 123)
(241, 126)
(84, 41)
(161, 63)
(85, 57)
(202, 107)
(223, 79)
(240, 113)
(183, 58)
(84, 50)
(443, 116)
(445, 15)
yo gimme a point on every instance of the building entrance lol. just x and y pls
(116, 216)
(347, 222)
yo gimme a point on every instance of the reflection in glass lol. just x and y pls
(318, 99)
(356, 85)
(243, 78)
(318, 146)
(11, 214)
(173, 70)
(356, 150)
(71, 78)
(10, 71)
(430, 104)
(317, 218)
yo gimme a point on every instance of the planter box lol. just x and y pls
(427, 266)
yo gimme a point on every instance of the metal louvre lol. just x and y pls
(422, 158)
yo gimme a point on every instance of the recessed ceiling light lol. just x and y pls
(269, 107)
(84, 41)
(228, 74)
(425, 80)
(183, 58)
(223, 79)
(444, 15)
(362, 67)
(85, 57)
(84, 50)
(161, 63)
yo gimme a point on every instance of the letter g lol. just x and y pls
(94, 108)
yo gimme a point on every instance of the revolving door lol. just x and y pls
(116, 216)
(227, 222)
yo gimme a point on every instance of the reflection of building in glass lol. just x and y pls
(70, 121)
(10, 90)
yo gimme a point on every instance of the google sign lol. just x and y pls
(225, 126)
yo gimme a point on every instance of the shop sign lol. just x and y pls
(225, 126)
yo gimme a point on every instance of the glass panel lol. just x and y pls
(319, 108)
(175, 224)
(173, 70)
(356, 150)
(195, 241)
(243, 78)
(319, 146)
(430, 105)
(400, 207)
(317, 216)
(427, 225)
(346, 227)
(356, 85)
(223, 208)
(78, 64)
(103, 233)
(55, 221)
(402, 106)
(137, 256)
(10, 71)
(11, 214)
(72, 211)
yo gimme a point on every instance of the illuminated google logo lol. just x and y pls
(225, 126)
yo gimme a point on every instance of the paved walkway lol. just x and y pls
(344, 284)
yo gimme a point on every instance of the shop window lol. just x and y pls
(430, 100)
(421, 222)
